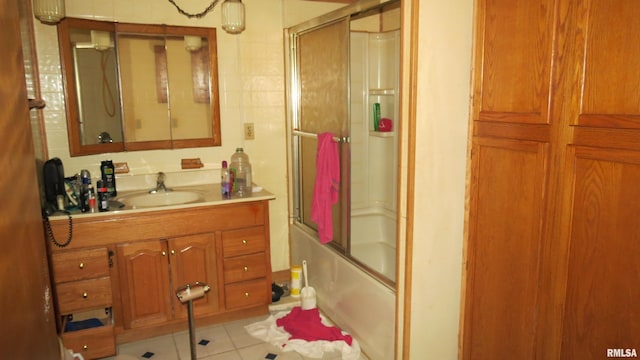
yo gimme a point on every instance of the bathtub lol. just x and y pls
(378, 256)
(373, 241)
(348, 295)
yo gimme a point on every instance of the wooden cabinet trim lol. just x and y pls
(606, 137)
(532, 132)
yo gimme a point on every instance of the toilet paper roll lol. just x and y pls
(191, 293)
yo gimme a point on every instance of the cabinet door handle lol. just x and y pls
(246, 294)
(85, 347)
(81, 266)
(164, 253)
(85, 295)
(244, 241)
(246, 268)
(173, 252)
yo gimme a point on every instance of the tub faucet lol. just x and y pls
(160, 187)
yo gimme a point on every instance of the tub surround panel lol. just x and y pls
(373, 227)
(353, 300)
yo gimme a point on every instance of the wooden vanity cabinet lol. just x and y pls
(83, 295)
(144, 283)
(245, 268)
(152, 271)
(156, 252)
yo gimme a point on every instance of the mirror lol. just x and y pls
(139, 87)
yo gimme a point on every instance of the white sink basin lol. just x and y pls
(147, 200)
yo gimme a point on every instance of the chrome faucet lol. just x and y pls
(160, 187)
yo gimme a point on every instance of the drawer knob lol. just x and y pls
(85, 295)
(173, 252)
(244, 241)
(85, 347)
(245, 268)
(81, 265)
(246, 294)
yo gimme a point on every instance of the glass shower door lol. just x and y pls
(322, 69)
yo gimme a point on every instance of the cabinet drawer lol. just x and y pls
(81, 264)
(245, 267)
(84, 294)
(92, 343)
(246, 294)
(243, 241)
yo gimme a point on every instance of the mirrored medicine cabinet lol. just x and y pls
(135, 87)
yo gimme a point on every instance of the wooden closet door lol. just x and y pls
(513, 127)
(507, 197)
(602, 308)
(561, 80)
(602, 242)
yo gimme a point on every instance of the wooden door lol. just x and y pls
(511, 181)
(144, 283)
(193, 259)
(602, 307)
(553, 233)
(504, 257)
(28, 326)
(601, 243)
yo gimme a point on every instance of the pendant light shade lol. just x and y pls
(233, 16)
(48, 11)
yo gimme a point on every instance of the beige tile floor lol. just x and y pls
(228, 341)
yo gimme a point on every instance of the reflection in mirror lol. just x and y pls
(189, 86)
(139, 87)
(142, 66)
(98, 94)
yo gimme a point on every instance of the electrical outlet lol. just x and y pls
(249, 131)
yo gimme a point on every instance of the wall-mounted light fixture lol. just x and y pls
(232, 14)
(48, 11)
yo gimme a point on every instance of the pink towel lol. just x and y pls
(326, 187)
(307, 325)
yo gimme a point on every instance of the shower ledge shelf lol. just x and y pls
(374, 92)
(382, 134)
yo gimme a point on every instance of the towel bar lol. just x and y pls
(343, 139)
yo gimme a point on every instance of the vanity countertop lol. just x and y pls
(210, 196)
